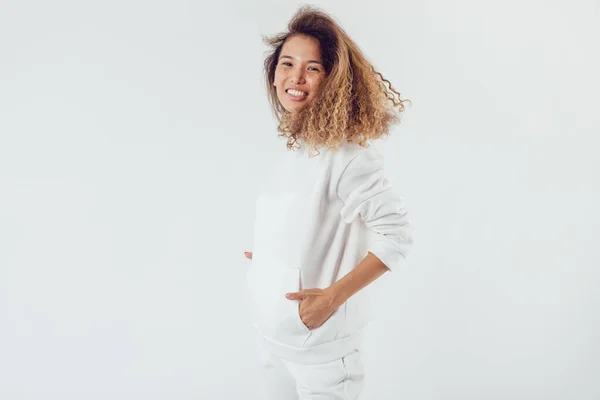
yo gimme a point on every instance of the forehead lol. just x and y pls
(302, 47)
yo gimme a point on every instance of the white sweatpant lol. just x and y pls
(342, 379)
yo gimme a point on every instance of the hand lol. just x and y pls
(316, 306)
(248, 255)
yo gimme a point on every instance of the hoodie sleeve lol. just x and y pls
(366, 193)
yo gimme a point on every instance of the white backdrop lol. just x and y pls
(133, 135)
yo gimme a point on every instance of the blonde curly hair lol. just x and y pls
(355, 102)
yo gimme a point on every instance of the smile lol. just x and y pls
(296, 94)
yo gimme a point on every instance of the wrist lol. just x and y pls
(337, 294)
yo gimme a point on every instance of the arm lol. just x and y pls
(369, 269)
(368, 195)
(318, 304)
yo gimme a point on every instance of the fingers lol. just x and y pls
(248, 255)
(302, 294)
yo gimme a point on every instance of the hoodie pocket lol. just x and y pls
(290, 309)
(274, 315)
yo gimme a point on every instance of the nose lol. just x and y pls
(297, 76)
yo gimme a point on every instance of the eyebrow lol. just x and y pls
(310, 61)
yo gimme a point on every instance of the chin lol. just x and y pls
(292, 108)
(296, 108)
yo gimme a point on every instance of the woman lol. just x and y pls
(327, 221)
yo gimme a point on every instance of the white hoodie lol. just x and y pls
(316, 219)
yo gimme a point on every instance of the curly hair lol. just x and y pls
(355, 102)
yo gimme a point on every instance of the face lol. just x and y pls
(299, 72)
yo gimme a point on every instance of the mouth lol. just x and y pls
(296, 95)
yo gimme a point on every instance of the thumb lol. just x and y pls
(248, 255)
(301, 295)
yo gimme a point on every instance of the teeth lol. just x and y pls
(296, 92)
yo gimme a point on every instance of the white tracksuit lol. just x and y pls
(316, 219)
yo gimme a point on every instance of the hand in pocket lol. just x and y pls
(316, 306)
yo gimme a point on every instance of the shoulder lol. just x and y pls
(355, 157)
(357, 165)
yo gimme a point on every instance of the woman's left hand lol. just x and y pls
(316, 306)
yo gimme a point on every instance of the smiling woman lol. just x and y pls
(326, 225)
(344, 98)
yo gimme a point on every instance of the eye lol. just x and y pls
(314, 69)
(286, 63)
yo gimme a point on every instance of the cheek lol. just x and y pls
(278, 79)
(316, 84)
(279, 90)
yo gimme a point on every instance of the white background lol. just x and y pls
(133, 135)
